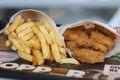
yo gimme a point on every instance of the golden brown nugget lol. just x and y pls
(73, 33)
(88, 56)
(71, 45)
(102, 39)
(87, 43)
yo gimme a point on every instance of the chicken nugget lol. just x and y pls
(102, 39)
(87, 43)
(88, 56)
(71, 45)
(72, 33)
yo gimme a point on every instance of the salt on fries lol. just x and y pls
(36, 41)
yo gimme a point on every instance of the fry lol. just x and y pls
(55, 52)
(16, 22)
(25, 56)
(58, 40)
(27, 36)
(24, 26)
(38, 56)
(44, 46)
(34, 63)
(62, 51)
(36, 44)
(42, 40)
(34, 37)
(13, 39)
(22, 21)
(51, 56)
(56, 36)
(69, 61)
(62, 56)
(36, 30)
(26, 49)
(24, 32)
(33, 44)
(13, 48)
(48, 26)
(8, 43)
(46, 34)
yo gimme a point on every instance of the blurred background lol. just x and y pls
(66, 11)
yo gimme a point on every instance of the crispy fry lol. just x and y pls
(27, 36)
(34, 37)
(39, 57)
(51, 56)
(55, 52)
(62, 56)
(62, 51)
(56, 36)
(24, 26)
(13, 48)
(14, 41)
(8, 43)
(22, 21)
(69, 61)
(16, 22)
(34, 44)
(25, 56)
(24, 32)
(43, 42)
(34, 63)
(48, 26)
(26, 49)
(46, 34)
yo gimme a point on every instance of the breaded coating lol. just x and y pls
(87, 43)
(88, 56)
(73, 33)
(71, 45)
(102, 39)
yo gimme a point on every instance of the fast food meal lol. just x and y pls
(89, 45)
(36, 41)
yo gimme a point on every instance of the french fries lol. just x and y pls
(36, 41)
(69, 60)
(39, 57)
(16, 22)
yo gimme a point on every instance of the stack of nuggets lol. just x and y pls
(89, 45)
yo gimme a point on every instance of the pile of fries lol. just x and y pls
(36, 41)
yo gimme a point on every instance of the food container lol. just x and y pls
(90, 23)
(35, 15)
